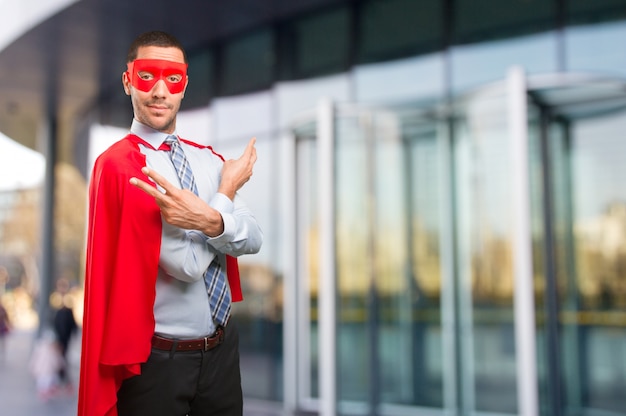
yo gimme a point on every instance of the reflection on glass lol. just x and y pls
(308, 225)
(485, 257)
(489, 61)
(355, 261)
(580, 337)
(590, 217)
(589, 48)
(422, 293)
(388, 262)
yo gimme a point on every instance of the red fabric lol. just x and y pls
(123, 245)
(234, 281)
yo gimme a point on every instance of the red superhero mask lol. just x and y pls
(145, 73)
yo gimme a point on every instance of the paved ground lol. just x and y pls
(18, 393)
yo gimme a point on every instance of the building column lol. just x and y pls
(48, 143)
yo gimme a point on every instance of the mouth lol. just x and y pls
(158, 107)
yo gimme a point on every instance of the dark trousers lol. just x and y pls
(194, 383)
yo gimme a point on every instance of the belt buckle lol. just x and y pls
(219, 335)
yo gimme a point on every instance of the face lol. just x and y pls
(156, 82)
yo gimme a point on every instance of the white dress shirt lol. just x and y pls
(181, 307)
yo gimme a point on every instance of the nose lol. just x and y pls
(160, 89)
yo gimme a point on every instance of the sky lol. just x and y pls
(20, 167)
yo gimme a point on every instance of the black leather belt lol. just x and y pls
(200, 344)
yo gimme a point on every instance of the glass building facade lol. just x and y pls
(445, 219)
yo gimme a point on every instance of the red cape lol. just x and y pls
(123, 245)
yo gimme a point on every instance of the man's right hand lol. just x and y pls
(181, 207)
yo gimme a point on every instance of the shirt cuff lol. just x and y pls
(222, 204)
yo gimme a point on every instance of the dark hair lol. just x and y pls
(153, 38)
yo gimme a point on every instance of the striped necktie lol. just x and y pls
(214, 277)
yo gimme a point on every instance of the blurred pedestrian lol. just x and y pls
(45, 363)
(5, 328)
(64, 327)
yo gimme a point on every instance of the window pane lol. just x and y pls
(593, 340)
(408, 263)
(200, 72)
(354, 262)
(322, 43)
(247, 63)
(476, 64)
(592, 48)
(389, 331)
(485, 257)
(585, 11)
(478, 20)
(395, 81)
(397, 28)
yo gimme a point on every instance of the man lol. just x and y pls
(156, 335)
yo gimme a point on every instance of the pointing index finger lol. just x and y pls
(250, 146)
(159, 180)
(250, 152)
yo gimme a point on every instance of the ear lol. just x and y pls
(126, 82)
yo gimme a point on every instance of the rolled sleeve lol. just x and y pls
(222, 204)
(241, 234)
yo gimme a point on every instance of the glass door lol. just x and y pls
(575, 233)
(581, 146)
(478, 261)
(423, 263)
(391, 346)
(494, 305)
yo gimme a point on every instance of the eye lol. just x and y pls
(174, 78)
(144, 75)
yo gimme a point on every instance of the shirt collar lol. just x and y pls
(154, 137)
